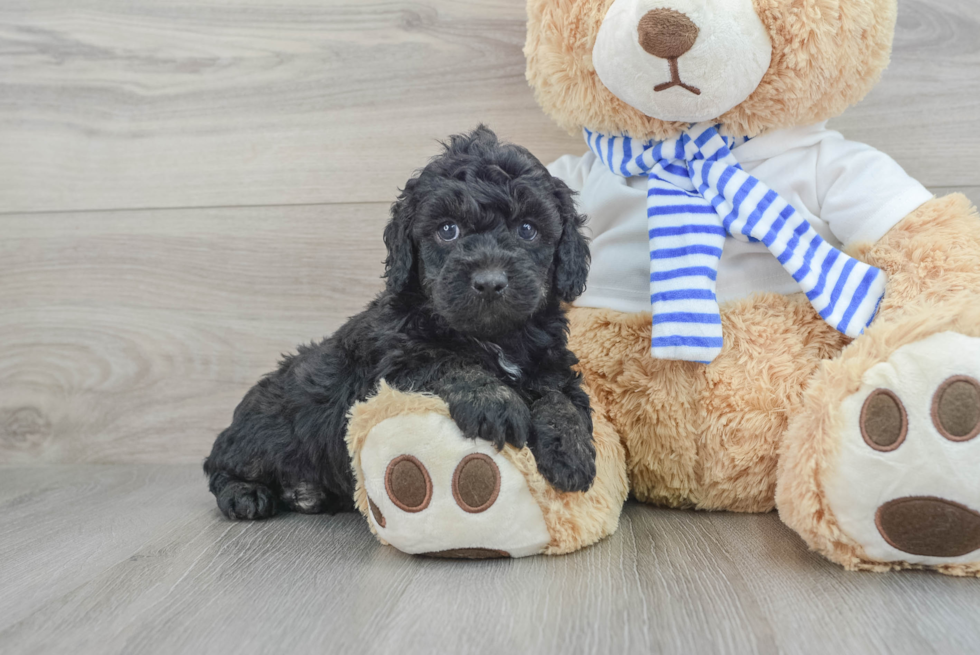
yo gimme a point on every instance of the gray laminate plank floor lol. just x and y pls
(136, 559)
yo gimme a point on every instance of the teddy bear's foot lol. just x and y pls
(900, 487)
(426, 489)
(906, 484)
(433, 492)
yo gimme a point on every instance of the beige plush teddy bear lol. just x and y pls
(776, 317)
(865, 446)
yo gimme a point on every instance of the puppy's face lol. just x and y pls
(487, 235)
(486, 250)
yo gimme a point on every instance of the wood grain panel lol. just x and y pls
(112, 104)
(922, 110)
(667, 582)
(131, 336)
(119, 104)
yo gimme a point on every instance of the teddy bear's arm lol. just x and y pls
(931, 257)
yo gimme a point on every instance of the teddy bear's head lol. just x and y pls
(648, 68)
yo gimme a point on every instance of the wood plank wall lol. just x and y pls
(188, 189)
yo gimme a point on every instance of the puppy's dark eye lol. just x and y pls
(527, 231)
(448, 232)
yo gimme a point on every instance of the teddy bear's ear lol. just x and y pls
(572, 254)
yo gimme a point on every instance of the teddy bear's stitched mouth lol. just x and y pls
(675, 80)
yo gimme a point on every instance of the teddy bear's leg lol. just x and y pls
(426, 489)
(705, 436)
(879, 468)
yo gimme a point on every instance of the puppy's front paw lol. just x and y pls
(562, 446)
(495, 414)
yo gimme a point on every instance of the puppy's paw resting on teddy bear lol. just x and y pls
(426, 488)
(494, 413)
(562, 444)
(889, 477)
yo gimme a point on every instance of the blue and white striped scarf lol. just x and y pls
(698, 195)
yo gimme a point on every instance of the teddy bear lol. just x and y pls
(860, 429)
(776, 317)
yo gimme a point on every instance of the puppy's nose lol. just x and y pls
(667, 33)
(489, 282)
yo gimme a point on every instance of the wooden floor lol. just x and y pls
(135, 559)
(189, 189)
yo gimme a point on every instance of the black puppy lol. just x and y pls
(483, 247)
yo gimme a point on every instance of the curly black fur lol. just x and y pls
(499, 358)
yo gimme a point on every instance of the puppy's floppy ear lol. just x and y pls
(572, 254)
(400, 263)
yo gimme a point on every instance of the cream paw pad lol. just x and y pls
(446, 495)
(905, 484)
(426, 489)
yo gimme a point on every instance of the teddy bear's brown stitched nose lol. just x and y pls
(667, 33)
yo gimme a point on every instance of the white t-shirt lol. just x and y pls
(849, 192)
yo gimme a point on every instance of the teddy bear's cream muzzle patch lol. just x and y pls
(682, 60)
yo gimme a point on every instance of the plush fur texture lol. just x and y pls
(697, 436)
(826, 55)
(574, 520)
(483, 248)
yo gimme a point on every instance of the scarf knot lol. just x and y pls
(697, 196)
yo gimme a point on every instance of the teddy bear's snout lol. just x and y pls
(682, 60)
(667, 33)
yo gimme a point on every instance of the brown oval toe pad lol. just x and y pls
(928, 526)
(956, 408)
(476, 483)
(408, 484)
(884, 422)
